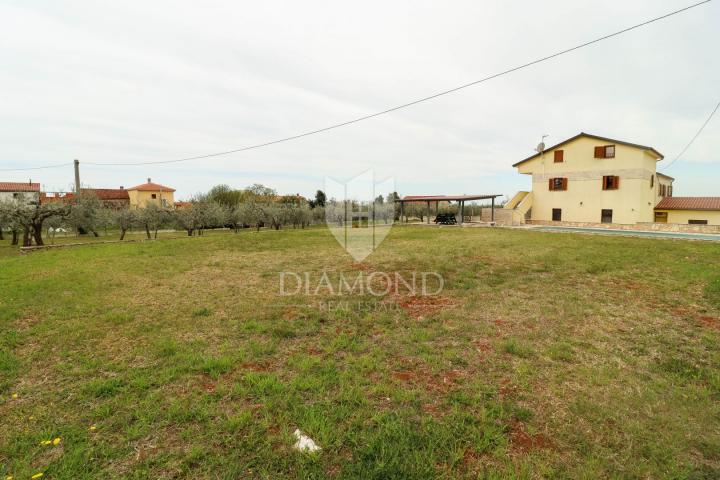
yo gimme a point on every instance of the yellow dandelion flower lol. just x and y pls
(56, 441)
(37, 475)
(14, 395)
(9, 477)
(31, 417)
(93, 428)
(46, 442)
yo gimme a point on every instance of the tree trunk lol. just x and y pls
(1, 234)
(95, 234)
(27, 242)
(122, 233)
(147, 231)
(156, 234)
(37, 233)
(190, 232)
(14, 238)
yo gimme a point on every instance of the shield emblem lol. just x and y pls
(360, 212)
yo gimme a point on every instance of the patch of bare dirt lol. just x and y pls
(523, 442)
(709, 322)
(421, 307)
(254, 367)
(507, 389)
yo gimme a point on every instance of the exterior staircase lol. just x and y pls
(520, 206)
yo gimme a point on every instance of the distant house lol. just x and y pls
(143, 195)
(590, 179)
(115, 198)
(20, 191)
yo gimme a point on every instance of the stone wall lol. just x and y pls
(647, 226)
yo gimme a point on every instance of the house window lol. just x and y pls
(153, 196)
(697, 222)
(652, 181)
(669, 191)
(606, 216)
(662, 190)
(660, 217)
(611, 182)
(558, 184)
(558, 156)
(606, 151)
(557, 214)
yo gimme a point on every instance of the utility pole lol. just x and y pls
(77, 177)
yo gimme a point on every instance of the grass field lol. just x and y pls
(546, 355)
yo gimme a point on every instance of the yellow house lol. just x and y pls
(591, 179)
(147, 193)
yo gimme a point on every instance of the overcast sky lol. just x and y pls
(155, 80)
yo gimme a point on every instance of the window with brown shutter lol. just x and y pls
(606, 151)
(557, 184)
(611, 182)
(652, 181)
(558, 156)
(669, 191)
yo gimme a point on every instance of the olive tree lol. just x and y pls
(30, 219)
(125, 219)
(85, 213)
(152, 218)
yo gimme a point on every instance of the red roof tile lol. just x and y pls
(19, 187)
(689, 203)
(109, 193)
(152, 187)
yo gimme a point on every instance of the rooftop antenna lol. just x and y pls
(541, 146)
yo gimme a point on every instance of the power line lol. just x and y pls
(408, 104)
(34, 168)
(693, 138)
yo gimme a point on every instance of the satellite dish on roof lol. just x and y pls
(541, 146)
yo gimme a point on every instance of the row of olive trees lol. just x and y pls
(254, 207)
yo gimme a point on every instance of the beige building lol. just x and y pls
(147, 193)
(592, 179)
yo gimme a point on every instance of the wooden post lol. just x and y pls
(462, 211)
(492, 211)
(402, 210)
(428, 212)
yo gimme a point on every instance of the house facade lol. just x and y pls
(591, 179)
(20, 191)
(143, 195)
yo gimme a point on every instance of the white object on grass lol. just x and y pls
(305, 443)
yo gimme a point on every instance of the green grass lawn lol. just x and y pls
(546, 355)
